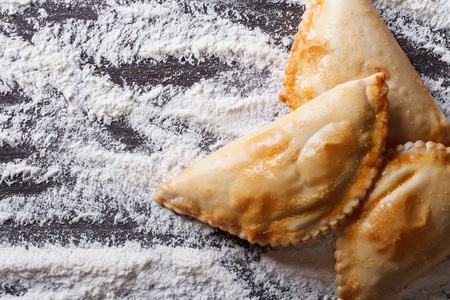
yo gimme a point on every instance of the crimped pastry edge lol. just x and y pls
(332, 223)
(419, 147)
(382, 120)
(341, 256)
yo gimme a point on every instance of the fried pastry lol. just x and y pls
(343, 40)
(402, 229)
(296, 178)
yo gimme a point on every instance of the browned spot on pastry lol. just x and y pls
(270, 145)
(188, 210)
(400, 229)
(305, 48)
(296, 178)
(343, 40)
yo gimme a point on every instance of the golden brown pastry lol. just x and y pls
(343, 40)
(402, 229)
(296, 178)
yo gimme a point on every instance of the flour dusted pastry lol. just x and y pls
(403, 228)
(343, 40)
(296, 178)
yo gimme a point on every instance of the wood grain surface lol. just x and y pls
(277, 19)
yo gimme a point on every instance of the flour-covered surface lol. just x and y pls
(102, 101)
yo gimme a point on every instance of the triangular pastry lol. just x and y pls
(296, 178)
(343, 40)
(403, 227)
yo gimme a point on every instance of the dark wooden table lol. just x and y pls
(270, 17)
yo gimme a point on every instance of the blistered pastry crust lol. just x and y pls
(308, 48)
(342, 40)
(402, 229)
(295, 179)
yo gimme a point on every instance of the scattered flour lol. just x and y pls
(68, 102)
(436, 12)
(5, 138)
(4, 216)
(14, 6)
(52, 172)
(129, 271)
(19, 171)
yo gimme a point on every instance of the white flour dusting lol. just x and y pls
(436, 12)
(164, 272)
(14, 6)
(62, 73)
(136, 271)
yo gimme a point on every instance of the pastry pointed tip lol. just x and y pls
(161, 195)
(378, 91)
(381, 77)
(380, 81)
(342, 40)
(235, 188)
